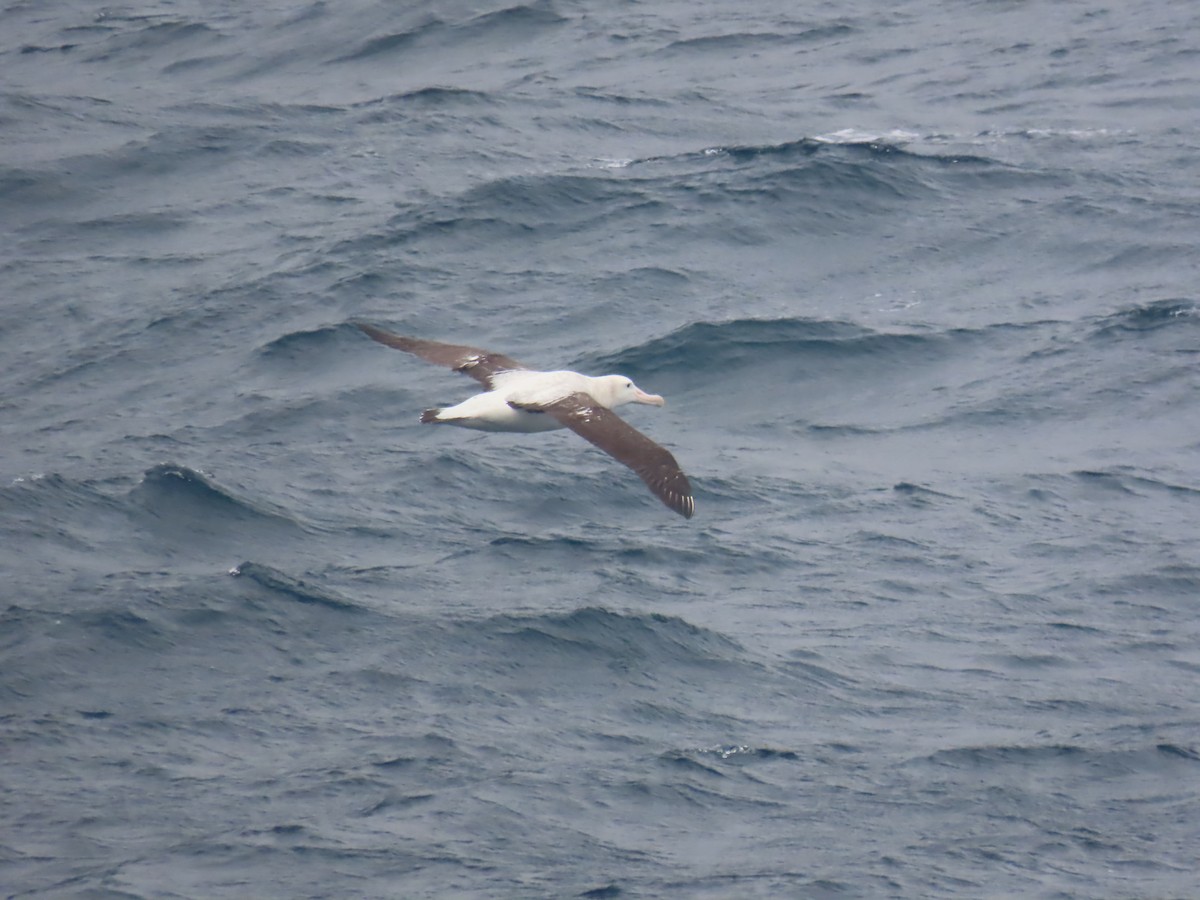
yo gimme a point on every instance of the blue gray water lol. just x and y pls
(919, 281)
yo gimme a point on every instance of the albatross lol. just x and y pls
(520, 399)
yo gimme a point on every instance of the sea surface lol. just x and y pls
(919, 281)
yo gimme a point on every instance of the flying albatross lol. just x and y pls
(524, 400)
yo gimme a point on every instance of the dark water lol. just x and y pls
(919, 282)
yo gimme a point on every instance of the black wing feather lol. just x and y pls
(654, 464)
(479, 364)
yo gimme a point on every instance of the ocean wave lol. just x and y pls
(395, 42)
(1051, 759)
(613, 637)
(291, 587)
(1145, 317)
(589, 92)
(183, 501)
(634, 560)
(712, 760)
(74, 517)
(523, 205)
(1102, 483)
(524, 19)
(157, 38)
(303, 344)
(856, 381)
(849, 147)
(799, 186)
(117, 230)
(520, 22)
(742, 343)
(435, 98)
(122, 626)
(1168, 584)
(42, 492)
(734, 43)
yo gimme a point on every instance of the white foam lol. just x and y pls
(858, 136)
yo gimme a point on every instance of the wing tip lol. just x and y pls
(373, 332)
(684, 504)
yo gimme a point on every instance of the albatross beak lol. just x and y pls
(649, 399)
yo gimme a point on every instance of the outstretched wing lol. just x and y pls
(654, 464)
(479, 364)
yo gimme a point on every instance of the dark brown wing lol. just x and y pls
(654, 464)
(479, 364)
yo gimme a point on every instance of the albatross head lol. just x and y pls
(617, 390)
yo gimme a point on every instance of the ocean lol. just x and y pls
(918, 281)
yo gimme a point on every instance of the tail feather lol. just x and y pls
(431, 415)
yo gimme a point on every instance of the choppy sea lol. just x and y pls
(919, 282)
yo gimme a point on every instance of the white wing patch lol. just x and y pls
(583, 415)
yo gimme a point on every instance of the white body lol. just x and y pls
(492, 411)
